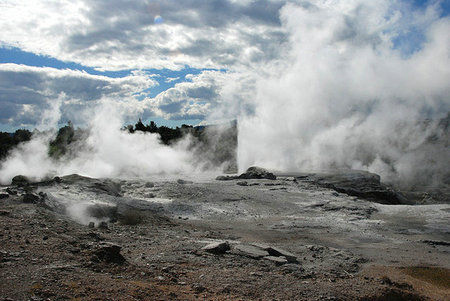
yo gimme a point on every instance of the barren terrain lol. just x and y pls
(293, 238)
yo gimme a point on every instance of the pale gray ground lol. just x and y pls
(334, 236)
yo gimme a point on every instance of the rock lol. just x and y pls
(217, 247)
(226, 178)
(109, 187)
(103, 225)
(149, 185)
(181, 181)
(96, 185)
(4, 195)
(20, 180)
(277, 260)
(30, 198)
(108, 252)
(257, 173)
(150, 195)
(251, 251)
(57, 180)
(11, 191)
(361, 184)
(242, 183)
(436, 242)
(279, 252)
(5, 212)
(91, 225)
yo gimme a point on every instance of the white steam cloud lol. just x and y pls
(108, 151)
(345, 97)
(347, 91)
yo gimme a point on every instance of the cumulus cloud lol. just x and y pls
(212, 96)
(113, 34)
(26, 92)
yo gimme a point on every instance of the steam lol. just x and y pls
(348, 92)
(107, 151)
(345, 97)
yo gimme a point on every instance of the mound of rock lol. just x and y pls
(108, 252)
(361, 184)
(253, 172)
(257, 173)
(20, 181)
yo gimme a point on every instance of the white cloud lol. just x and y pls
(112, 34)
(26, 91)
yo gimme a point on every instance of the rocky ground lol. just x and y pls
(296, 237)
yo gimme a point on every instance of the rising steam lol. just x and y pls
(107, 151)
(348, 92)
(348, 95)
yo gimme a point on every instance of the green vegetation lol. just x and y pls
(10, 140)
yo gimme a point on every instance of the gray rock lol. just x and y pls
(108, 252)
(273, 251)
(251, 251)
(4, 195)
(277, 252)
(217, 247)
(181, 181)
(11, 191)
(149, 185)
(277, 260)
(91, 225)
(30, 198)
(242, 183)
(20, 180)
(257, 173)
(357, 183)
(103, 225)
(226, 178)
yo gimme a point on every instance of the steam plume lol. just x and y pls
(348, 95)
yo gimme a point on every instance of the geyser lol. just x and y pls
(346, 94)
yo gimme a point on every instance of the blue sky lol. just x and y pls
(168, 61)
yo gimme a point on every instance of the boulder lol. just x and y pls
(257, 173)
(251, 251)
(242, 183)
(103, 225)
(217, 247)
(357, 183)
(30, 198)
(181, 181)
(277, 252)
(4, 195)
(273, 251)
(11, 191)
(226, 178)
(20, 180)
(108, 252)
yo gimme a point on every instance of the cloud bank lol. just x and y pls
(113, 34)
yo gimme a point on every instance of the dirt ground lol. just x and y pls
(345, 248)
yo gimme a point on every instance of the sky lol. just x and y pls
(171, 61)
